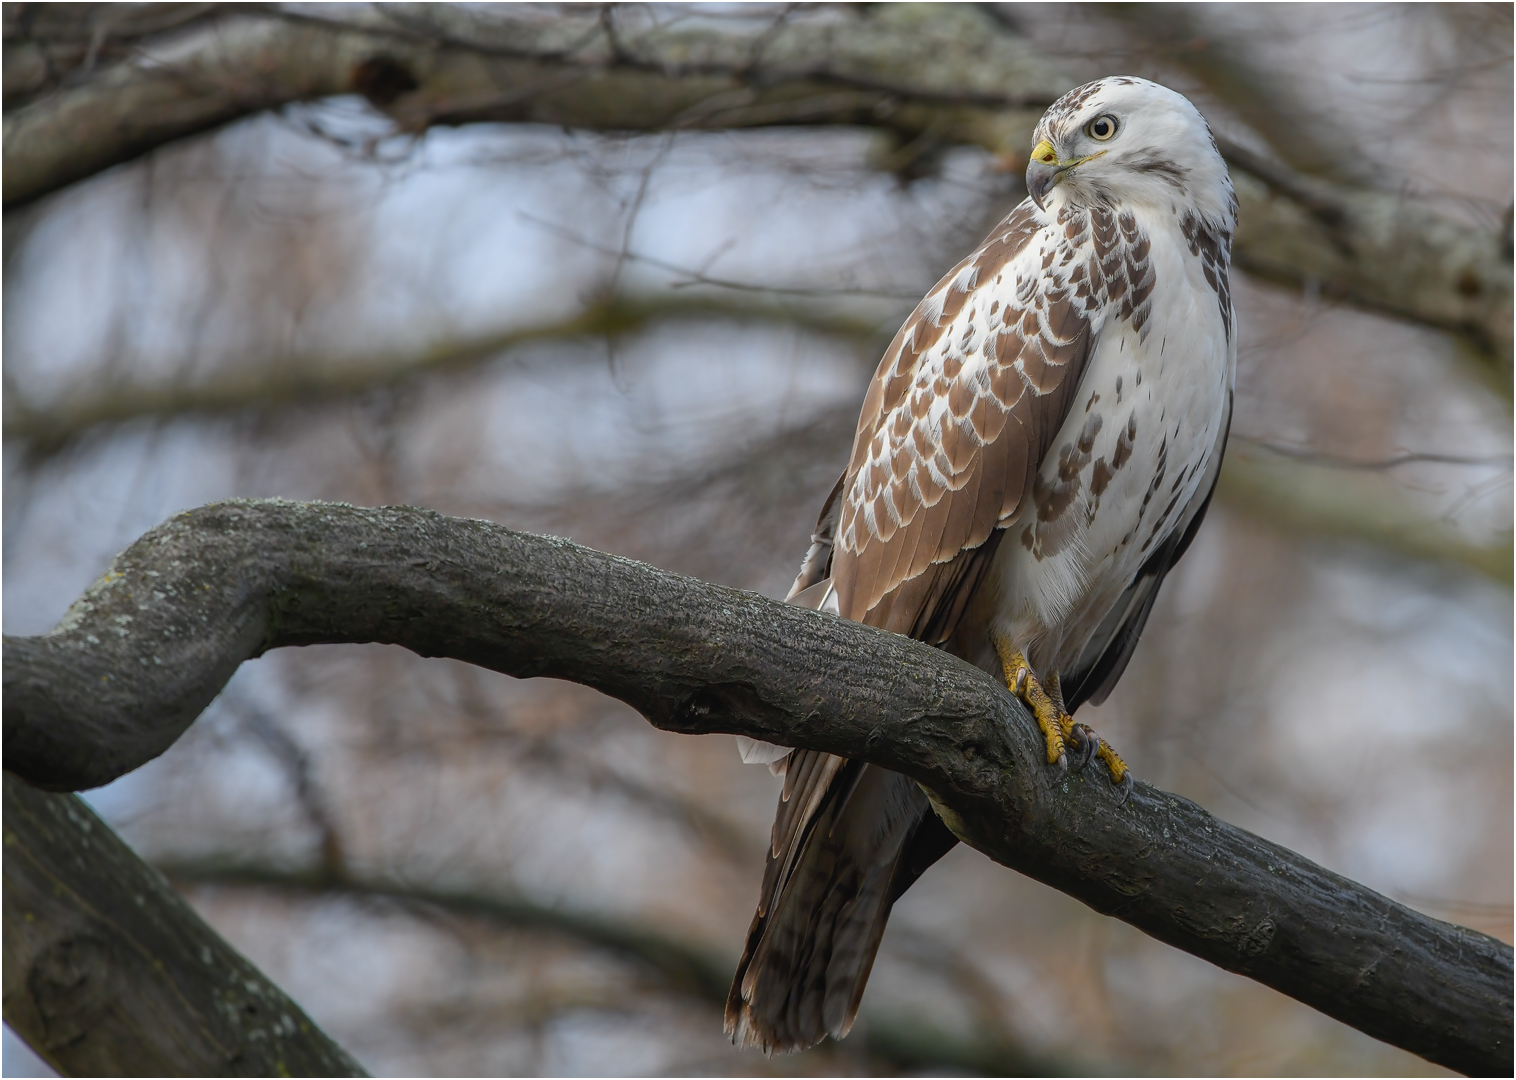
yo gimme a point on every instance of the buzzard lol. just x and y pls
(1036, 450)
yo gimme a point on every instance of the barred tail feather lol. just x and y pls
(827, 895)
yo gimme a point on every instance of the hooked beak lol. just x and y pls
(1044, 171)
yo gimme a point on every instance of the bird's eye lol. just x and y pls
(1102, 128)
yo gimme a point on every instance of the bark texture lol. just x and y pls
(108, 972)
(152, 642)
(930, 74)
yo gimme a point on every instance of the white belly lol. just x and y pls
(1124, 467)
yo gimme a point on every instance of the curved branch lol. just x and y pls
(108, 972)
(151, 643)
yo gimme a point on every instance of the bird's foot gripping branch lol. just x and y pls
(152, 642)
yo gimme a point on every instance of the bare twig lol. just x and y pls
(1328, 499)
(1312, 456)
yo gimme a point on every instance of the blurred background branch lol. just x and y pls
(600, 69)
(889, 1045)
(314, 379)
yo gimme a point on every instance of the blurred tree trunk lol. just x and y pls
(108, 972)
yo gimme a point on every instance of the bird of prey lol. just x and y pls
(1036, 450)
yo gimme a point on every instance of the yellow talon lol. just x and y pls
(1045, 700)
(1056, 724)
(1113, 762)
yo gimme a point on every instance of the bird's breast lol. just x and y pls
(1129, 457)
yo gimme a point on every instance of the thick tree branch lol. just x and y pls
(150, 644)
(50, 45)
(936, 76)
(108, 972)
(908, 71)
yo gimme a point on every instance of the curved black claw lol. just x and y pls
(1086, 744)
(1125, 783)
(1062, 765)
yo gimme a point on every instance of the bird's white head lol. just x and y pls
(1125, 140)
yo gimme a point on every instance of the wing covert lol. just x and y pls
(961, 411)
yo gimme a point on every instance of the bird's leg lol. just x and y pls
(1054, 688)
(1087, 745)
(1045, 700)
(1056, 724)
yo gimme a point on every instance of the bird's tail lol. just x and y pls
(848, 839)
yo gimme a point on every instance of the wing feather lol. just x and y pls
(944, 398)
(817, 564)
